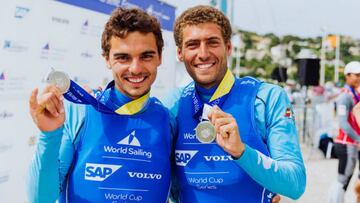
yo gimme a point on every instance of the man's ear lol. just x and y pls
(179, 54)
(228, 48)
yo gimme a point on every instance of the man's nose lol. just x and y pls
(135, 66)
(203, 52)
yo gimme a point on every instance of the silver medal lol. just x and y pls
(205, 132)
(60, 79)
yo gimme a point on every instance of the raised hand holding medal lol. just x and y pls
(225, 126)
(48, 113)
(47, 110)
(227, 132)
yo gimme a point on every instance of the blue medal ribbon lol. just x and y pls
(218, 98)
(77, 94)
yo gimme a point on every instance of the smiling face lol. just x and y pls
(204, 53)
(133, 61)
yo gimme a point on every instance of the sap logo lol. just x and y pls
(145, 175)
(218, 158)
(99, 172)
(183, 157)
(130, 140)
(20, 12)
(247, 82)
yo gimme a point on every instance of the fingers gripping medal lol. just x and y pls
(205, 131)
(60, 79)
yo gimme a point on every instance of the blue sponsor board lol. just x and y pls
(165, 13)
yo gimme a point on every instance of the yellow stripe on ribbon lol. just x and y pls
(134, 106)
(224, 87)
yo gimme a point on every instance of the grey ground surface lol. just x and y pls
(321, 173)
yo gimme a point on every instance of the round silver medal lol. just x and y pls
(205, 132)
(60, 79)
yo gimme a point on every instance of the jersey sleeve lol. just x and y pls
(53, 157)
(282, 172)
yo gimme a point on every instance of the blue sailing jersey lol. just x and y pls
(121, 158)
(206, 173)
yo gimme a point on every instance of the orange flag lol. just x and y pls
(332, 40)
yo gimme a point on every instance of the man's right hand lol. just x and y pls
(47, 111)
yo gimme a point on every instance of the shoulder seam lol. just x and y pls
(257, 97)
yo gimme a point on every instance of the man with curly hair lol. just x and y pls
(87, 155)
(256, 151)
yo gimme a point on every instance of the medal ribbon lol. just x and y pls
(77, 94)
(217, 98)
(354, 93)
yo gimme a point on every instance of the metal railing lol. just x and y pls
(313, 121)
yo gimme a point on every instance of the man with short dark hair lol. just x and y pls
(256, 152)
(87, 154)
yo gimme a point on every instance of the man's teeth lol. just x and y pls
(205, 65)
(136, 80)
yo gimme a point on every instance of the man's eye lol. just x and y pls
(213, 43)
(122, 58)
(191, 45)
(147, 57)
